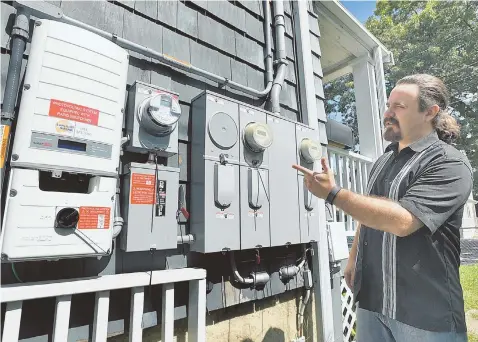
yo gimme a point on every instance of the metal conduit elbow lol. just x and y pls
(237, 276)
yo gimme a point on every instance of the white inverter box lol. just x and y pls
(71, 114)
(41, 224)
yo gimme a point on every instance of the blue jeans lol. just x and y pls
(375, 327)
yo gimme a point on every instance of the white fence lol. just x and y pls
(63, 290)
(351, 172)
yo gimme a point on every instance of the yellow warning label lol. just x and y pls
(5, 130)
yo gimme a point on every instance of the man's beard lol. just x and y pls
(389, 134)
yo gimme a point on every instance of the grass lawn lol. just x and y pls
(469, 282)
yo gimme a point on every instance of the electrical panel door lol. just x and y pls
(215, 213)
(283, 186)
(150, 203)
(71, 112)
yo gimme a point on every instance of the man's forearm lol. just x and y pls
(377, 213)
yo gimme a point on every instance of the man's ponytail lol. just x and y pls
(447, 127)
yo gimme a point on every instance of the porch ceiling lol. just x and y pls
(344, 40)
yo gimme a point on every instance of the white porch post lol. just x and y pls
(367, 105)
(381, 87)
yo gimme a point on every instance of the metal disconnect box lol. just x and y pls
(150, 204)
(71, 113)
(152, 119)
(41, 222)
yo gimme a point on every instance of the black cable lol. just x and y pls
(263, 185)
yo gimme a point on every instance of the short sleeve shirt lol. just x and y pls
(415, 279)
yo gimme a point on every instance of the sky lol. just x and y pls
(360, 9)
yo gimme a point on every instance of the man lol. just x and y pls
(404, 262)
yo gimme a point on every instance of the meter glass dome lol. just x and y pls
(310, 150)
(161, 109)
(258, 136)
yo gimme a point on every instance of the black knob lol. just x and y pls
(67, 218)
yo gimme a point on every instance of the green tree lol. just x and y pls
(434, 37)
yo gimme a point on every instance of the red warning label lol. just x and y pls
(74, 112)
(94, 218)
(142, 189)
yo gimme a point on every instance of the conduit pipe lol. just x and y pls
(20, 35)
(281, 60)
(189, 238)
(171, 61)
(237, 275)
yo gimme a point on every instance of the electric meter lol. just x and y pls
(152, 120)
(159, 114)
(258, 136)
(310, 150)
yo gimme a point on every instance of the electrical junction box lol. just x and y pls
(152, 120)
(338, 245)
(150, 203)
(244, 192)
(42, 222)
(71, 112)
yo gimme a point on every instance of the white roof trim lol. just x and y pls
(336, 12)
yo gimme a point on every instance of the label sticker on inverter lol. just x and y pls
(161, 199)
(94, 218)
(4, 132)
(142, 189)
(73, 112)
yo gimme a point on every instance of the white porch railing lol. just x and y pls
(351, 172)
(63, 290)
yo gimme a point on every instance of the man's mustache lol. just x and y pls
(390, 120)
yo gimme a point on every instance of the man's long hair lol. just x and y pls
(433, 91)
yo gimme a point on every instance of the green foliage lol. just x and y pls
(434, 37)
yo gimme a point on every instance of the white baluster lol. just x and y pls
(136, 314)
(100, 323)
(11, 324)
(167, 326)
(62, 318)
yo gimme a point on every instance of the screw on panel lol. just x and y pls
(26, 86)
(122, 110)
(14, 156)
(13, 193)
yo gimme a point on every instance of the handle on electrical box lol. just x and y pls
(308, 199)
(224, 188)
(256, 190)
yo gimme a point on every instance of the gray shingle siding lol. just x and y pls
(166, 11)
(187, 22)
(147, 8)
(216, 34)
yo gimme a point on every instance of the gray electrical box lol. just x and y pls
(244, 192)
(152, 120)
(150, 204)
(215, 174)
